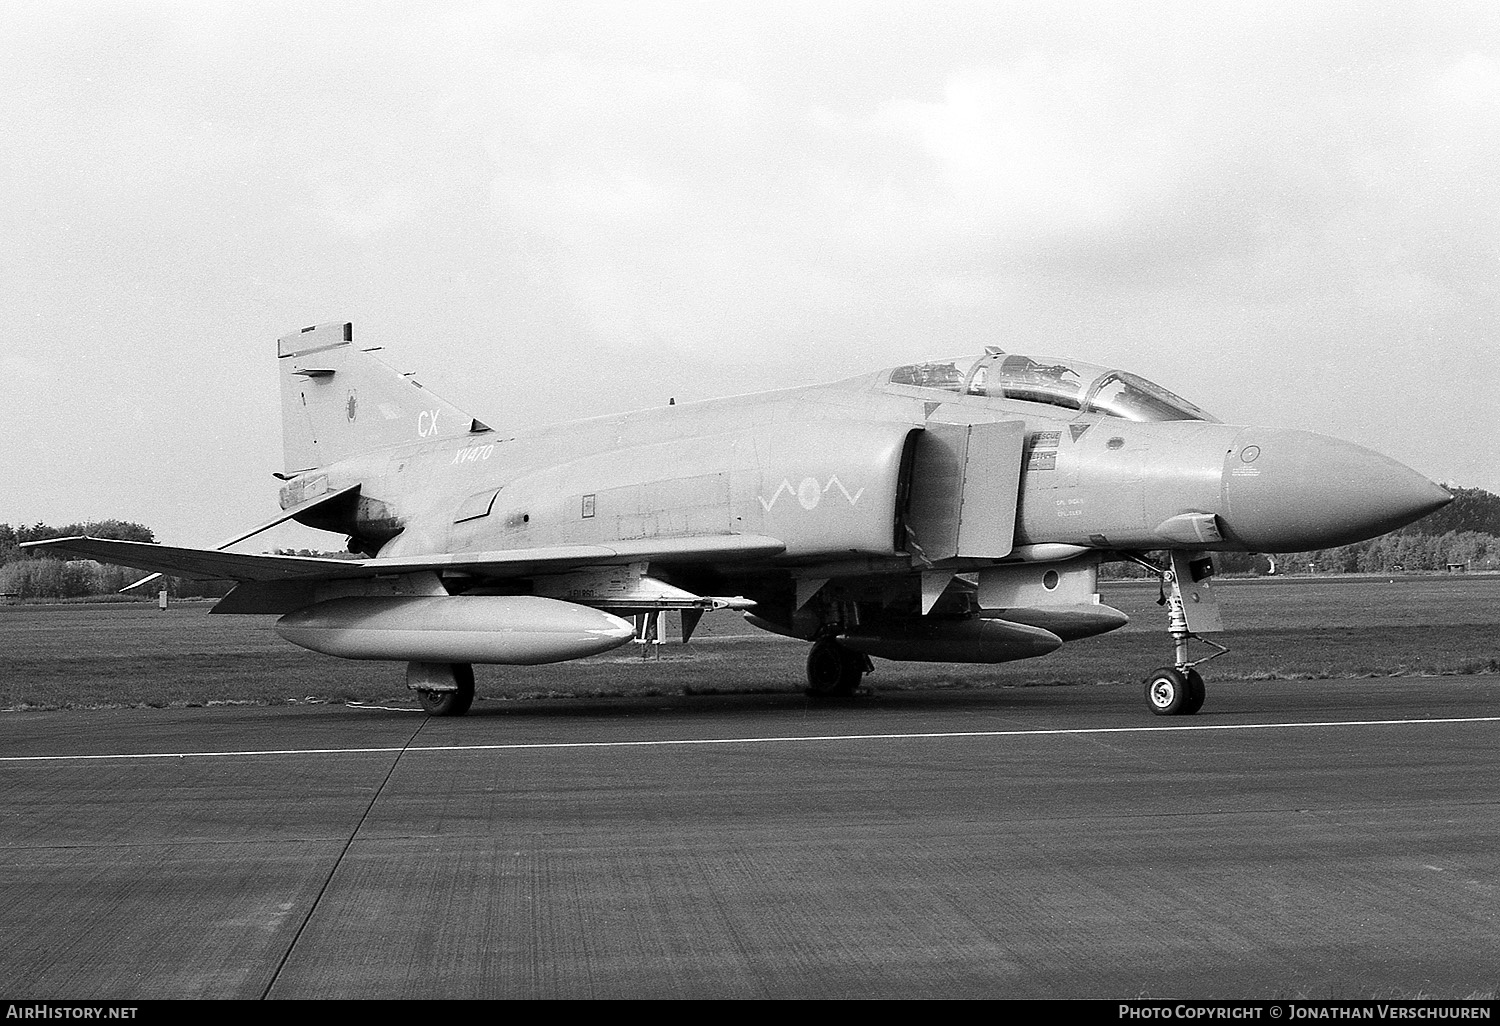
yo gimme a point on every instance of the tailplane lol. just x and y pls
(338, 401)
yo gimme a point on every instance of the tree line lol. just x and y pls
(27, 574)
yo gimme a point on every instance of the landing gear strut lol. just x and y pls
(443, 689)
(833, 670)
(1178, 690)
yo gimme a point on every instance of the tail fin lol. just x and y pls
(338, 401)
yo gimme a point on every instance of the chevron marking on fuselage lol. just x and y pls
(809, 492)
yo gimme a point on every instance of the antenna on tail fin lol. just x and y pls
(338, 401)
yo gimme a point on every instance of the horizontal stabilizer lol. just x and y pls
(277, 520)
(202, 564)
(242, 566)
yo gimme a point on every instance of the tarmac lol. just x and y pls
(1297, 839)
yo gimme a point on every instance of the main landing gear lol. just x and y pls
(834, 671)
(443, 689)
(1178, 690)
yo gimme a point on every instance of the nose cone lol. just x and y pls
(1288, 491)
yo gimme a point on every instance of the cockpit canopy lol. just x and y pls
(1054, 381)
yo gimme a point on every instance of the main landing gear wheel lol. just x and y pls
(833, 671)
(448, 702)
(1174, 692)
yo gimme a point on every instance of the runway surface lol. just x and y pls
(1298, 839)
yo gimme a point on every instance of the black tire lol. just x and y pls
(857, 664)
(450, 703)
(1196, 693)
(1168, 691)
(832, 670)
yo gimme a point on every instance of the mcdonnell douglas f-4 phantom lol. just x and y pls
(952, 511)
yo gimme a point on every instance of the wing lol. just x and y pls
(241, 566)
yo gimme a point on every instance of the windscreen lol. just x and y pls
(1134, 398)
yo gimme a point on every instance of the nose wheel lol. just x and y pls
(1174, 692)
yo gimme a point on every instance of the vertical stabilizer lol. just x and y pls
(338, 401)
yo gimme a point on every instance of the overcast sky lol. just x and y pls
(1287, 213)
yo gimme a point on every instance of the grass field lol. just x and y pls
(81, 656)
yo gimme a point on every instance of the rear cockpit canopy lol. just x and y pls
(1052, 381)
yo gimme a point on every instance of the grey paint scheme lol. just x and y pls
(736, 466)
(889, 514)
(521, 630)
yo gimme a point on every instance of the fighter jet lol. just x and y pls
(948, 510)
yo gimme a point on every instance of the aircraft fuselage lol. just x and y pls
(822, 469)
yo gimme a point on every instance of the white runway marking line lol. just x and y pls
(787, 739)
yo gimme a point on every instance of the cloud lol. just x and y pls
(1028, 149)
(376, 210)
(1285, 212)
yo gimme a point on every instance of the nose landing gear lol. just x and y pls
(1178, 690)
